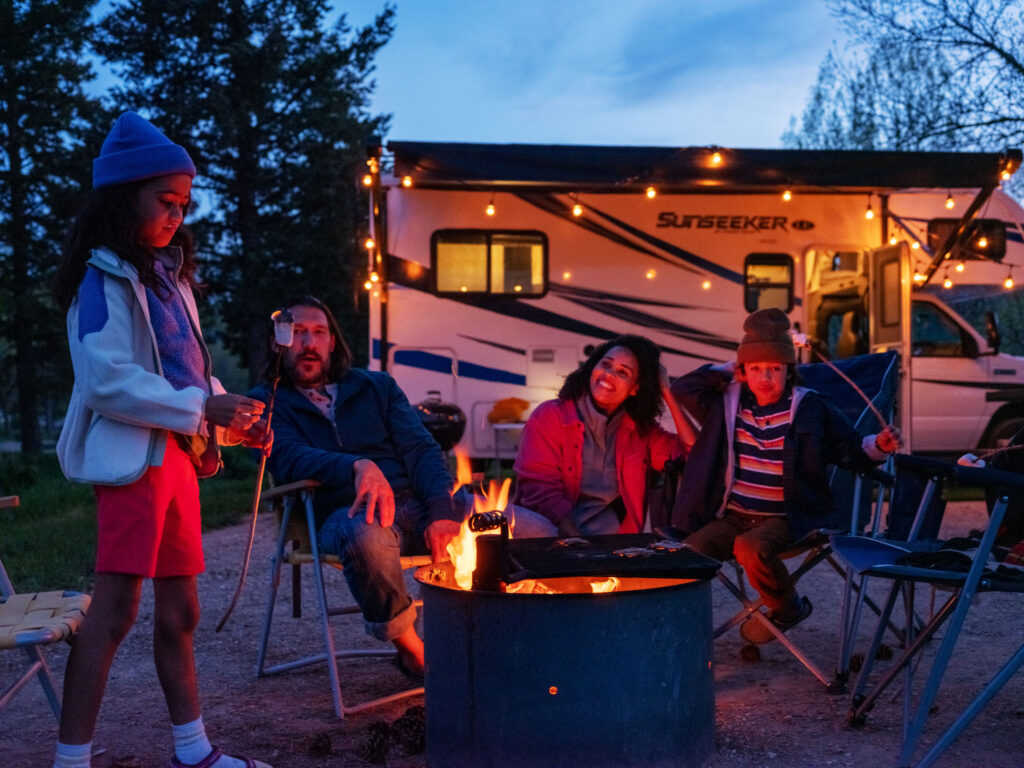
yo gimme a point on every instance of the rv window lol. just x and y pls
(934, 334)
(769, 281)
(481, 261)
(984, 238)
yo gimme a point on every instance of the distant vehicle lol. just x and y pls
(493, 268)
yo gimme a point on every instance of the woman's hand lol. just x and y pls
(233, 411)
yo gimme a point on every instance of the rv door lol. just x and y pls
(889, 318)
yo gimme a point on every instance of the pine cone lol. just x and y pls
(409, 732)
(378, 739)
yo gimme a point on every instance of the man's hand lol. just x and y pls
(233, 411)
(438, 535)
(374, 490)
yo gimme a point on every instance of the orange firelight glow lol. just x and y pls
(462, 548)
(608, 585)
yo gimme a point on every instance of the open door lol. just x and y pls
(889, 319)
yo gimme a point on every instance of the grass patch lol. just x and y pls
(49, 541)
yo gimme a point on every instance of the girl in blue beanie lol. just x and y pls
(144, 421)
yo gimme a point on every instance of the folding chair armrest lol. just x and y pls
(925, 465)
(278, 491)
(880, 476)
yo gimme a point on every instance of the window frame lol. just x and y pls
(489, 235)
(769, 259)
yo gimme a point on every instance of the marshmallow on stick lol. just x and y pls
(283, 333)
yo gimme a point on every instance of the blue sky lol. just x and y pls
(657, 72)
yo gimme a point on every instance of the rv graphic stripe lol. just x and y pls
(429, 361)
(554, 206)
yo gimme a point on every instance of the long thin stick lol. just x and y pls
(858, 390)
(255, 500)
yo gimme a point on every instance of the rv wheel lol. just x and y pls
(999, 432)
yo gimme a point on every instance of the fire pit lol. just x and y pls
(538, 668)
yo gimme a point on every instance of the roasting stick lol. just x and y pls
(283, 337)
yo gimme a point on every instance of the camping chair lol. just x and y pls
(28, 621)
(913, 517)
(877, 375)
(973, 574)
(294, 547)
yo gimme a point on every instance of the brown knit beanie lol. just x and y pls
(766, 338)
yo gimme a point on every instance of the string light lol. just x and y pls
(869, 212)
(949, 201)
(367, 180)
(787, 195)
(1005, 175)
(915, 245)
(577, 210)
(374, 277)
(490, 209)
(706, 285)
(947, 283)
(918, 277)
(407, 181)
(566, 275)
(367, 285)
(369, 243)
(651, 193)
(960, 267)
(716, 158)
(982, 242)
(651, 274)
(893, 240)
(1008, 282)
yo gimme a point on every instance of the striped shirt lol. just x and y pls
(760, 432)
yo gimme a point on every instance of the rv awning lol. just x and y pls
(570, 168)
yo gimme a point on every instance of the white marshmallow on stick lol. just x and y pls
(283, 332)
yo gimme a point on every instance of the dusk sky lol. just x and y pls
(657, 72)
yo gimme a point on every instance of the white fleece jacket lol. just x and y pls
(122, 407)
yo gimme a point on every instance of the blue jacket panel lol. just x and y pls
(374, 421)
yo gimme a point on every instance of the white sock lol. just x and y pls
(191, 745)
(73, 755)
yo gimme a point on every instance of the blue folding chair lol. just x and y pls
(877, 375)
(880, 558)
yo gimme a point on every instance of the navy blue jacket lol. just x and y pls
(374, 421)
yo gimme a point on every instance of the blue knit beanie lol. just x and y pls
(135, 149)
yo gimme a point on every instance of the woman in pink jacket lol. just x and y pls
(583, 458)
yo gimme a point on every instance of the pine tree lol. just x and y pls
(45, 119)
(273, 106)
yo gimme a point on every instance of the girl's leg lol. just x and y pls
(111, 614)
(175, 617)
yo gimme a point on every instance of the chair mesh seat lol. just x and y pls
(41, 617)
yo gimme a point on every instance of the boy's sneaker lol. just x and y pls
(753, 629)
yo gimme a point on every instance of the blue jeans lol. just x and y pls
(370, 558)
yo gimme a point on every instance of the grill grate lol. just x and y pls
(639, 556)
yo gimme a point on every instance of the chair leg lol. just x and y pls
(275, 581)
(37, 668)
(321, 597)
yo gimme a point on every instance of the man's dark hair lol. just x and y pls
(645, 406)
(341, 357)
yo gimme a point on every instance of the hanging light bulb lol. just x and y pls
(651, 274)
(983, 242)
(915, 245)
(1005, 175)
(949, 201)
(407, 181)
(893, 240)
(1008, 282)
(787, 195)
(706, 285)
(369, 243)
(960, 267)
(374, 277)
(577, 210)
(651, 193)
(947, 283)
(716, 158)
(869, 212)
(367, 180)
(367, 285)
(490, 209)
(566, 275)
(918, 277)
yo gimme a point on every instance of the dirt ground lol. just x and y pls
(769, 713)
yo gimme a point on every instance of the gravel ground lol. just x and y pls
(770, 712)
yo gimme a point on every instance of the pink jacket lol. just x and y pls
(550, 462)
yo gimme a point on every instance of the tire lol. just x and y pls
(1000, 432)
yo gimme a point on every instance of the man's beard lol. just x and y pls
(315, 377)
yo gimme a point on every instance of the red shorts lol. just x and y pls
(152, 527)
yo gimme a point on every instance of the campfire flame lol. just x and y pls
(462, 548)
(608, 585)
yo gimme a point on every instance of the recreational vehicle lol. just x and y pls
(494, 268)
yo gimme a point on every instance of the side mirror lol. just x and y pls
(992, 331)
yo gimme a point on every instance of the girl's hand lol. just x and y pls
(233, 411)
